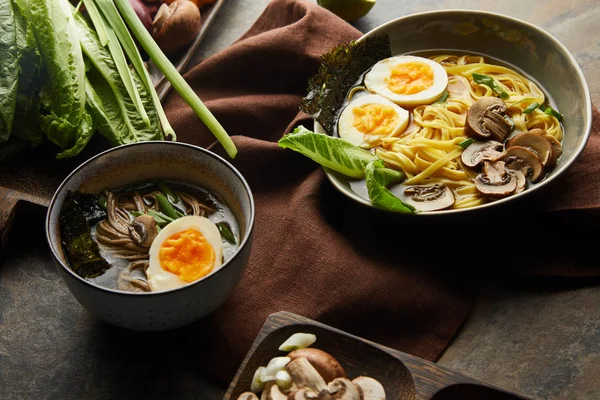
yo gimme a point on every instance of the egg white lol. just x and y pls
(376, 80)
(160, 279)
(350, 133)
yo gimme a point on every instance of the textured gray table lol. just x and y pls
(539, 337)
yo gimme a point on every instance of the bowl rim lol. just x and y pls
(332, 176)
(125, 147)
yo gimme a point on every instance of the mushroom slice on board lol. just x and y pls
(325, 364)
(525, 160)
(307, 394)
(369, 388)
(478, 152)
(486, 119)
(535, 142)
(496, 180)
(343, 389)
(304, 375)
(428, 197)
(272, 392)
(247, 396)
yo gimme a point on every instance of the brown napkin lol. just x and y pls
(404, 282)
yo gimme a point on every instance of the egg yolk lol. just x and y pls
(187, 254)
(375, 119)
(410, 78)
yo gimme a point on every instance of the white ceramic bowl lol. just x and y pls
(124, 165)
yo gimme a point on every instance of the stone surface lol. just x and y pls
(540, 337)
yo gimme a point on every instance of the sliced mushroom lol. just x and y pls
(307, 394)
(481, 151)
(343, 389)
(272, 392)
(496, 180)
(486, 119)
(428, 197)
(369, 388)
(521, 181)
(247, 396)
(325, 364)
(535, 142)
(525, 160)
(143, 230)
(176, 25)
(305, 375)
(554, 144)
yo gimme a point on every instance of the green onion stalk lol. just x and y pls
(173, 76)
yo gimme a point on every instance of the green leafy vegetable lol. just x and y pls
(443, 97)
(63, 116)
(333, 153)
(113, 18)
(554, 113)
(466, 143)
(226, 232)
(531, 107)
(340, 69)
(378, 178)
(108, 101)
(80, 249)
(489, 81)
(9, 59)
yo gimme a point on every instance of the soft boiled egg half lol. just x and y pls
(371, 115)
(184, 251)
(408, 81)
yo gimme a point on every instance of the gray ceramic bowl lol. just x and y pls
(505, 40)
(124, 165)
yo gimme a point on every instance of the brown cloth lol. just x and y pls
(404, 282)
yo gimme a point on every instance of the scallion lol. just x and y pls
(443, 97)
(466, 143)
(165, 206)
(491, 83)
(226, 232)
(97, 20)
(554, 113)
(173, 76)
(163, 187)
(160, 218)
(102, 203)
(531, 107)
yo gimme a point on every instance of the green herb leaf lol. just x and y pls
(489, 81)
(466, 143)
(554, 113)
(443, 97)
(9, 71)
(378, 178)
(339, 70)
(330, 152)
(531, 107)
(226, 232)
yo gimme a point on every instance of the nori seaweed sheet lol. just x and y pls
(89, 206)
(80, 248)
(340, 69)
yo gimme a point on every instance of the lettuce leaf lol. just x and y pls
(8, 68)
(330, 152)
(108, 101)
(378, 178)
(63, 96)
